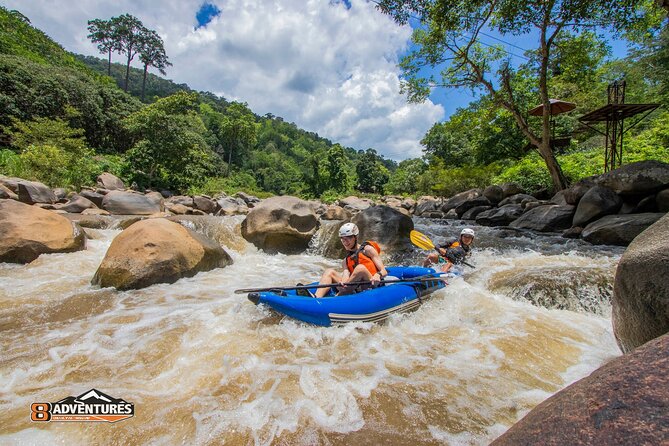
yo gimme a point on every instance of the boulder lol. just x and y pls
(596, 203)
(91, 221)
(494, 194)
(510, 189)
(450, 215)
(467, 205)
(459, 199)
(472, 213)
(642, 178)
(624, 402)
(157, 250)
(110, 182)
(355, 204)
(573, 194)
(6, 193)
(335, 212)
(662, 201)
(250, 200)
(95, 197)
(426, 204)
(618, 229)
(31, 192)
(11, 183)
(641, 290)
(62, 194)
(76, 205)
(638, 206)
(182, 200)
(387, 226)
(94, 211)
(178, 209)
(548, 218)
(559, 198)
(501, 216)
(516, 199)
(131, 203)
(409, 204)
(28, 231)
(205, 204)
(281, 224)
(231, 206)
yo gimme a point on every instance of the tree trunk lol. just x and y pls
(109, 64)
(146, 67)
(127, 69)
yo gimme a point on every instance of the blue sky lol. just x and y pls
(330, 66)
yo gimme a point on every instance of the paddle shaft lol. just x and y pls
(304, 287)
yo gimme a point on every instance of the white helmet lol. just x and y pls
(348, 229)
(467, 231)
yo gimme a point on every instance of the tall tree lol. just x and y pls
(237, 132)
(449, 34)
(152, 54)
(128, 32)
(102, 33)
(372, 174)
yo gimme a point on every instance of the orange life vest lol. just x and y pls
(354, 258)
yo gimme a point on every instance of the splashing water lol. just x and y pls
(205, 366)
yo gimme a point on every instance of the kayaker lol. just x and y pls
(361, 264)
(453, 252)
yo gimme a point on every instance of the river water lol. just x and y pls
(205, 366)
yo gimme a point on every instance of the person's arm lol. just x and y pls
(376, 258)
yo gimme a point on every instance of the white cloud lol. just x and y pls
(329, 69)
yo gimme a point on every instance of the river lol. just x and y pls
(203, 365)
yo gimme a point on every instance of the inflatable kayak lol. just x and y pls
(370, 305)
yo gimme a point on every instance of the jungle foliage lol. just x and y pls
(64, 119)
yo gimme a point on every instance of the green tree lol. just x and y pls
(237, 133)
(53, 152)
(449, 34)
(337, 169)
(372, 174)
(102, 33)
(170, 148)
(152, 54)
(404, 180)
(128, 32)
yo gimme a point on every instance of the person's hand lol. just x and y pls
(376, 278)
(442, 251)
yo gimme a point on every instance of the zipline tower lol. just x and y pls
(614, 114)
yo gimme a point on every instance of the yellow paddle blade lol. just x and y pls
(421, 240)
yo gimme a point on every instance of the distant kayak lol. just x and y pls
(367, 306)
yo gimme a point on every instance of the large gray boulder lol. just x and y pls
(642, 178)
(31, 192)
(76, 205)
(130, 203)
(387, 226)
(501, 216)
(575, 192)
(494, 194)
(510, 189)
(460, 199)
(355, 204)
(28, 231)
(623, 402)
(548, 218)
(662, 200)
(427, 205)
(641, 290)
(110, 182)
(281, 224)
(516, 199)
(618, 229)
(157, 250)
(596, 203)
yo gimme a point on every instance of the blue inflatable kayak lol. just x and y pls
(371, 305)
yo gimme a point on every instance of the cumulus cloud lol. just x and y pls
(330, 67)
